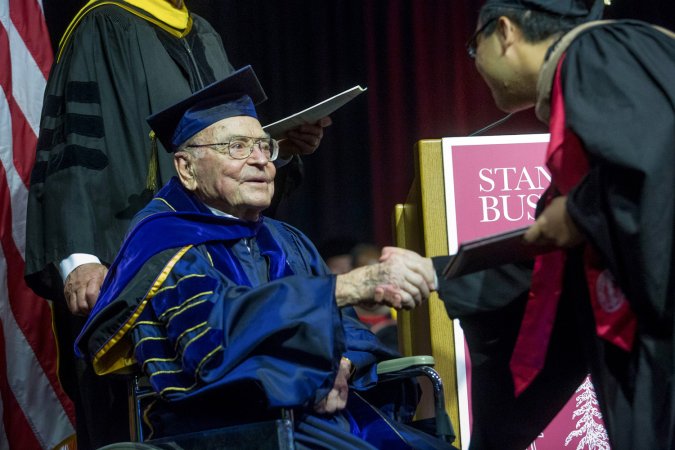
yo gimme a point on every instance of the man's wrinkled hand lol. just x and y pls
(402, 279)
(420, 264)
(411, 278)
(304, 140)
(336, 400)
(83, 286)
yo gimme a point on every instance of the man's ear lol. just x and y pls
(508, 32)
(184, 164)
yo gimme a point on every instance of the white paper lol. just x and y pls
(312, 114)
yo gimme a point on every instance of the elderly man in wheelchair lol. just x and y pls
(232, 316)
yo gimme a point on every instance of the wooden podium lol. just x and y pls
(420, 225)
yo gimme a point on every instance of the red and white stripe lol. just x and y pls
(36, 414)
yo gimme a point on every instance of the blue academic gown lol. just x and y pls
(217, 310)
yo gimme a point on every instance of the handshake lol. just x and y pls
(401, 279)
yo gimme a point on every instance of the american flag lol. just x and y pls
(36, 414)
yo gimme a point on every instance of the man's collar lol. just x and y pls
(220, 213)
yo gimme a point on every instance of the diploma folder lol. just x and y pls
(312, 114)
(492, 251)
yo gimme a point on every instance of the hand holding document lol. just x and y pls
(493, 251)
(312, 114)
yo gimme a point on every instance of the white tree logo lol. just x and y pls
(610, 296)
(592, 433)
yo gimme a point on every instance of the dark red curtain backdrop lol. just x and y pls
(409, 53)
(422, 85)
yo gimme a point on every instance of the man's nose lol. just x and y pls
(257, 156)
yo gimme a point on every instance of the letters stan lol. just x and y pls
(514, 192)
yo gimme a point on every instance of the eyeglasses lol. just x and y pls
(472, 43)
(241, 147)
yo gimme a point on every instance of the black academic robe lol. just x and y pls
(93, 152)
(490, 306)
(618, 95)
(619, 99)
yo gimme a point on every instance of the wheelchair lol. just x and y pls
(276, 433)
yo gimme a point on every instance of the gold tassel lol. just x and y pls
(153, 164)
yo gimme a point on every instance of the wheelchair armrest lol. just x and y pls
(392, 366)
